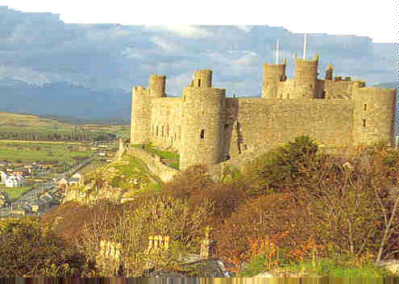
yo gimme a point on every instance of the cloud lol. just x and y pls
(166, 44)
(38, 48)
(185, 31)
(26, 75)
(245, 28)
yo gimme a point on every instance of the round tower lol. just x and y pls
(203, 78)
(272, 75)
(373, 115)
(157, 86)
(306, 77)
(202, 126)
(330, 72)
(141, 116)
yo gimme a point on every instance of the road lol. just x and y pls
(32, 196)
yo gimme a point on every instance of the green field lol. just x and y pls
(15, 193)
(42, 152)
(31, 127)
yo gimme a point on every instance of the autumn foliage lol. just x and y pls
(293, 204)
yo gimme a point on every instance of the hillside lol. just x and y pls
(34, 127)
(252, 219)
(392, 85)
(8, 119)
(64, 100)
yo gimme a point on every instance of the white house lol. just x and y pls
(3, 177)
(14, 181)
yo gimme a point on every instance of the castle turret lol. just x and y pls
(202, 122)
(373, 115)
(330, 72)
(306, 78)
(273, 74)
(157, 86)
(141, 116)
(203, 79)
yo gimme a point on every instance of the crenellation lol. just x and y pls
(205, 127)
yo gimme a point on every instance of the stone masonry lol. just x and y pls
(206, 127)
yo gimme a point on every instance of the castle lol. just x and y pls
(206, 127)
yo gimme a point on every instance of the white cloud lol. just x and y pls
(27, 75)
(186, 31)
(245, 28)
(298, 16)
(165, 44)
(107, 34)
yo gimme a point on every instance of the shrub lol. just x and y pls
(278, 218)
(279, 168)
(29, 250)
(196, 186)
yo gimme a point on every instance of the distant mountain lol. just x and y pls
(392, 85)
(62, 100)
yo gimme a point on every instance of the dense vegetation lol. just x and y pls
(292, 209)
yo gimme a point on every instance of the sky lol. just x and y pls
(375, 19)
(62, 42)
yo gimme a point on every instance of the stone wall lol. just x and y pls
(205, 127)
(374, 115)
(166, 119)
(261, 123)
(154, 164)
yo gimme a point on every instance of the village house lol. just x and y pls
(11, 180)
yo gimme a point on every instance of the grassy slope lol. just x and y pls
(34, 152)
(13, 122)
(14, 193)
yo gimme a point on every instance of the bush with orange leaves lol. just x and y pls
(196, 186)
(280, 218)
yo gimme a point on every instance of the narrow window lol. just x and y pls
(162, 130)
(202, 135)
(199, 82)
(157, 131)
(364, 123)
(365, 106)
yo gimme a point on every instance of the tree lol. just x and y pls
(29, 250)
(278, 168)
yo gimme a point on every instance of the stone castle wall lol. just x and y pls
(205, 127)
(254, 123)
(374, 115)
(154, 164)
(166, 122)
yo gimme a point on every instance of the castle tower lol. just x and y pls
(203, 122)
(330, 72)
(373, 115)
(157, 86)
(141, 116)
(141, 108)
(272, 75)
(203, 79)
(306, 77)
